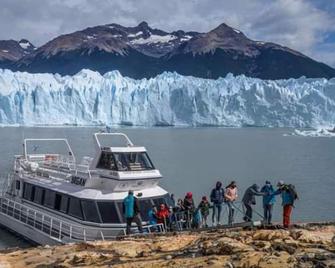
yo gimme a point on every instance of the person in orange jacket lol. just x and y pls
(163, 214)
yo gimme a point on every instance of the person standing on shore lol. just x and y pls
(189, 208)
(249, 200)
(204, 209)
(289, 195)
(268, 201)
(217, 197)
(230, 198)
(131, 210)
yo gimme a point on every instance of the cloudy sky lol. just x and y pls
(304, 25)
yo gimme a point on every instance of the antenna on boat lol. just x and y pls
(23, 143)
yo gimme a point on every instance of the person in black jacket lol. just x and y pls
(249, 199)
(217, 198)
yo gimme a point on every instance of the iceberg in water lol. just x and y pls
(89, 98)
(322, 132)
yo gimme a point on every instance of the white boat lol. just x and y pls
(51, 199)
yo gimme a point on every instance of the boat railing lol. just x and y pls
(98, 142)
(192, 219)
(60, 230)
(55, 164)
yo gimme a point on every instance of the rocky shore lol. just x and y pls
(303, 246)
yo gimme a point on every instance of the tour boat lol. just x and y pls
(50, 198)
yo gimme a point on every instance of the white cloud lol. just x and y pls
(294, 23)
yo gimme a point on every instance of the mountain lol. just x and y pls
(11, 51)
(170, 99)
(143, 52)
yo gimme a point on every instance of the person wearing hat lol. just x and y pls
(131, 211)
(268, 201)
(288, 195)
(230, 197)
(217, 198)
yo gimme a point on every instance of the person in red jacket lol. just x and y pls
(163, 214)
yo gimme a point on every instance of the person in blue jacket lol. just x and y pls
(153, 217)
(288, 195)
(268, 201)
(131, 210)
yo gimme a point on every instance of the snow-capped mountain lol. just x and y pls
(11, 50)
(169, 99)
(142, 51)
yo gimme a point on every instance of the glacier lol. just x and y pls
(169, 99)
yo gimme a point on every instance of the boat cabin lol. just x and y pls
(93, 190)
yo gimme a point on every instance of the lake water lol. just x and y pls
(193, 159)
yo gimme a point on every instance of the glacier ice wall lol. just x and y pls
(88, 98)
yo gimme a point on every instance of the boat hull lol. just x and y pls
(27, 231)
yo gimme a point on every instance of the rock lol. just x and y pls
(320, 257)
(226, 246)
(281, 260)
(228, 265)
(300, 248)
(281, 246)
(262, 244)
(270, 235)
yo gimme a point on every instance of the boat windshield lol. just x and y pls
(125, 161)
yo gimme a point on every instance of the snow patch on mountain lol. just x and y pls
(24, 45)
(169, 99)
(136, 34)
(154, 39)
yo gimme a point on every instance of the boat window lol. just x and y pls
(64, 203)
(107, 161)
(159, 201)
(29, 191)
(133, 161)
(145, 206)
(108, 212)
(75, 208)
(39, 194)
(90, 211)
(120, 207)
(58, 199)
(17, 185)
(49, 198)
(168, 200)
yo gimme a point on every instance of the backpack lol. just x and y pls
(293, 192)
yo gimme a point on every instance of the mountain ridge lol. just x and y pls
(141, 51)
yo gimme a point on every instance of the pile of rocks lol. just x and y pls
(303, 246)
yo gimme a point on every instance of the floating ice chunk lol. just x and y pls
(328, 133)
